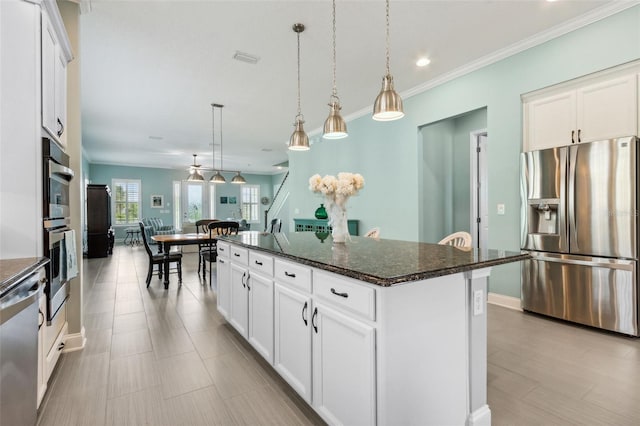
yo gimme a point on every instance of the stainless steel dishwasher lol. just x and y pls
(19, 351)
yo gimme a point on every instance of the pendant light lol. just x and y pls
(388, 104)
(334, 125)
(217, 177)
(194, 174)
(299, 140)
(239, 179)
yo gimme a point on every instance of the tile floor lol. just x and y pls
(156, 357)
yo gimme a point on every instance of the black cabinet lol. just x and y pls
(99, 232)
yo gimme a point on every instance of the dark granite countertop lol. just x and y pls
(382, 262)
(12, 271)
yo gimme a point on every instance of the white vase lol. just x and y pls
(338, 222)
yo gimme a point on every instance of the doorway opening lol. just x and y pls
(453, 193)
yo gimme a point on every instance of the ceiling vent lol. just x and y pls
(245, 57)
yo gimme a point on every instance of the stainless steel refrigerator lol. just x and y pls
(580, 224)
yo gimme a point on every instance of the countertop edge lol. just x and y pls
(9, 283)
(385, 282)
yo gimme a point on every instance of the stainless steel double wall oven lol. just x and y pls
(580, 224)
(57, 176)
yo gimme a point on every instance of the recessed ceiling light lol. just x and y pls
(423, 62)
(267, 149)
(156, 138)
(245, 57)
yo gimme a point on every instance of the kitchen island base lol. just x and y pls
(411, 353)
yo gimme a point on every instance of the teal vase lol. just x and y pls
(321, 212)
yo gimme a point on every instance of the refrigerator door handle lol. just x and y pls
(626, 265)
(571, 202)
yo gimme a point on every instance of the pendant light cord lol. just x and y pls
(388, 69)
(213, 136)
(299, 109)
(221, 166)
(334, 93)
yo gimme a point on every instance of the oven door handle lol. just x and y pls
(57, 236)
(14, 305)
(56, 169)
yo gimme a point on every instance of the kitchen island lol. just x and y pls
(368, 332)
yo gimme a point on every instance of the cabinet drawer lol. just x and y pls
(297, 276)
(239, 255)
(346, 294)
(223, 249)
(261, 262)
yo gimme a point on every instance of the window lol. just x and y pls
(126, 201)
(250, 197)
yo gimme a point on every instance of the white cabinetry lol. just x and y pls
(260, 293)
(292, 353)
(223, 274)
(344, 368)
(239, 306)
(56, 53)
(597, 109)
(359, 353)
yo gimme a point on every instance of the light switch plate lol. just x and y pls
(500, 208)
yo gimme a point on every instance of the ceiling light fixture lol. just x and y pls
(388, 104)
(334, 125)
(217, 176)
(238, 179)
(194, 174)
(423, 62)
(299, 140)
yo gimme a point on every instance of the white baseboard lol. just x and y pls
(505, 301)
(480, 417)
(74, 342)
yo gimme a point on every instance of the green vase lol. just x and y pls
(321, 212)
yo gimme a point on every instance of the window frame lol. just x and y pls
(250, 203)
(115, 182)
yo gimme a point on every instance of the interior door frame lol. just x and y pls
(478, 171)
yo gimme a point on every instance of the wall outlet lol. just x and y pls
(478, 302)
(500, 209)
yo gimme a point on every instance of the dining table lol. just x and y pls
(170, 240)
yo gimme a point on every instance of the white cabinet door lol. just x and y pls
(261, 314)
(49, 59)
(223, 275)
(550, 122)
(292, 352)
(344, 385)
(61, 95)
(608, 109)
(239, 309)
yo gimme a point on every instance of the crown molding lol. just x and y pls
(559, 30)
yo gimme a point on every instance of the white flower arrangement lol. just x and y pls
(336, 192)
(339, 189)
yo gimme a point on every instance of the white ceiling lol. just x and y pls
(153, 68)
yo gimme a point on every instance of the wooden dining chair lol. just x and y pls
(210, 254)
(157, 258)
(202, 228)
(457, 239)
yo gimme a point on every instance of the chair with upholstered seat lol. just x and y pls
(202, 227)
(210, 254)
(158, 258)
(457, 239)
(157, 227)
